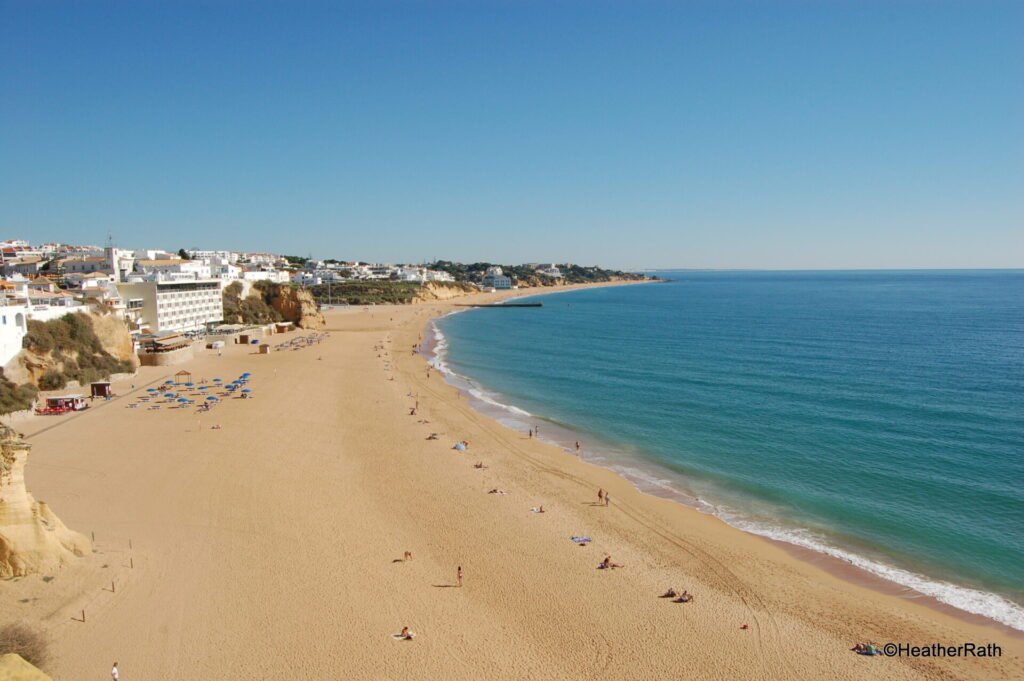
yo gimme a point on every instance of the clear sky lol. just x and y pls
(811, 134)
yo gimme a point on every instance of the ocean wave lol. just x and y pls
(483, 396)
(970, 600)
(974, 601)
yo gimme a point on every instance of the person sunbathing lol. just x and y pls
(684, 597)
(607, 564)
(432, 436)
(671, 593)
(479, 464)
(497, 491)
(406, 634)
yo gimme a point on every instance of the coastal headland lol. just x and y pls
(266, 539)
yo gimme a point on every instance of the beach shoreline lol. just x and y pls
(832, 564)
(273, 545)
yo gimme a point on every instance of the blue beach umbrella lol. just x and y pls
(168, 382)
(216, 380)
(190, 384)
(204, 387)
(247, 374)
(150, 390)
(246, 391)
(211, 397)
(183, 399)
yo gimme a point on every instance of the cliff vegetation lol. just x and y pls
(70, 349)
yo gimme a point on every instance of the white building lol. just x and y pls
(265, 274)
(263, 258)
(495, 278)
(306, 278)
(175, 268)
(230, 257)
(13, 326)
(550, 271)
(173, 306)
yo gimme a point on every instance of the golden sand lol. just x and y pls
(272, 548)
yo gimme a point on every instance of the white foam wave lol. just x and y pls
(483, 396)
(970, 600)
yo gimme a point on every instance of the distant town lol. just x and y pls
(161, 292)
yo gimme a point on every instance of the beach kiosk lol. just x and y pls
(182, 377)
(265, 349)
(62, 404)
(101, 389)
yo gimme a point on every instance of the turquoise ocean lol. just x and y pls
(874, 416)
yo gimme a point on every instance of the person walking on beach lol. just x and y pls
(531, 433)
(113, 673)
(607, 498)
(458, 576)
(407, 556)
(600, 496)
(577, 446)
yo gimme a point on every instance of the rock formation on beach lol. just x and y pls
(431, 291)
(296, 305)
(32, 538)
(14, 668)
(79, 347)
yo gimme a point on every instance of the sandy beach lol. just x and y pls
(272, 547)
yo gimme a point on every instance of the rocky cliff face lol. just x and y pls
(32, 539)
(14, 668)
(431, 291)
(32, 363)
(115, 337)
(297, 305)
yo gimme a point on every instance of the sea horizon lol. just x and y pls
(985, 586)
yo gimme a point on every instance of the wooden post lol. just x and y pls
(131, 562)
(94, 536)
(83, 614)
(112, 589)
(129, 542)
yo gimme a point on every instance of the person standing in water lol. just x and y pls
(577, 446)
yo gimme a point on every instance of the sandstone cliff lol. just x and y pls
(32, 539)
(296, 305)
(84, 347)
(14, 668)
(431, 291)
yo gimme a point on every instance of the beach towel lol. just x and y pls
(581, 540)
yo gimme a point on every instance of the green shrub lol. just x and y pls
(23, 640)
(52, 380)
(15, 397)
(253, 309)
(72, 342)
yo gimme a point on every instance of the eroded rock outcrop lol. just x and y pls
(297, 305)
(431, 291)
(32, 539)
(84, 347)
(14, 668)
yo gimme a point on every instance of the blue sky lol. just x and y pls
(628, 134)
